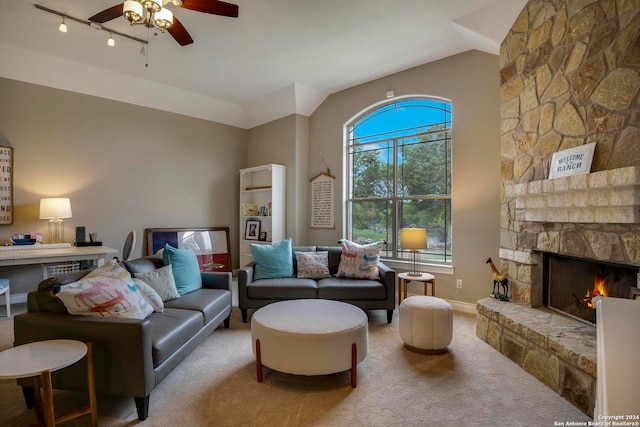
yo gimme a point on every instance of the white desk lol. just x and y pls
(43, 256)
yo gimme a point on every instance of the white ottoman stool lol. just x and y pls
(310, 337)
(426, 324)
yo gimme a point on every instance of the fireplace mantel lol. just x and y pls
(606, 197)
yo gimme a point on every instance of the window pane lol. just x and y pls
(424, 163)
(371, 221)
(372, 171)
(435, 216)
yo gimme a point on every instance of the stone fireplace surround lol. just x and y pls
(569, 76)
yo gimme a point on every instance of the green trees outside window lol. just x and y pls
(399, 162)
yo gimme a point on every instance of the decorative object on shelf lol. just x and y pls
(322, 200)
(499, 279)
(54, 209)
(572, 161)
(414, 239)
(263, 236)
(252, 230)
(249, 209)
(6, 190)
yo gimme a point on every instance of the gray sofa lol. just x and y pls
(131, 356)
(366, 294)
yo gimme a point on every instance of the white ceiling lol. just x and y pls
(277, 58)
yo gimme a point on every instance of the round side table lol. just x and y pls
(38, 359)
(425, 278)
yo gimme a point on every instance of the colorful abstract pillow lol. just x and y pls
(162, 281)
(313, 265)
(186, 270)
(272, 261)
(107, 291)
(359, 261)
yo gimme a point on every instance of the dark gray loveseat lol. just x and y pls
(131, 356)
(366, 294)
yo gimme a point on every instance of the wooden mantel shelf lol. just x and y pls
(606, 197)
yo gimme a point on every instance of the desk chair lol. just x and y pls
(5, 289)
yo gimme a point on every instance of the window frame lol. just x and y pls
(394, 254)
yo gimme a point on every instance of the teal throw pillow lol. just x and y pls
(185, 268)
(272, 261)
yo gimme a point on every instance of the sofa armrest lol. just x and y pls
(123, 362)
(388, 279)
(245, 277)
(215, 280)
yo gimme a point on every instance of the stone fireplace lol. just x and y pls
(569, 76)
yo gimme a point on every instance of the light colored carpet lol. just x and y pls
(471, 385)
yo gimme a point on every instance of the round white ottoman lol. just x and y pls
(310, 337)
(426, 324)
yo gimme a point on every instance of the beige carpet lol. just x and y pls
(471, 385)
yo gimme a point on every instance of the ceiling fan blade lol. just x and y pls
(179, 33)
(215, 7)
(108, 14)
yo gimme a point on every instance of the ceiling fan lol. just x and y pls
(177, 30)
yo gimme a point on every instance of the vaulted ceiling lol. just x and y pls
(278, 57)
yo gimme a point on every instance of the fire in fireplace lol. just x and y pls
(570, 284)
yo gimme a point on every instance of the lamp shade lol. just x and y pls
(413, 238)
(55, 208)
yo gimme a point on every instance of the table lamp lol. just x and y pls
(414, 239)
(54, 209)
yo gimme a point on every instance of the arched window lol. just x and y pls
(399, 175)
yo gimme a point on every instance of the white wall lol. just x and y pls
(471, 81)
(123, 167)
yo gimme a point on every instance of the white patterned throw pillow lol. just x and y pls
(359, 261)
(107, 291)
(313, 265)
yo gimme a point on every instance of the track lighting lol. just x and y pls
(62, 27)
(111, 42)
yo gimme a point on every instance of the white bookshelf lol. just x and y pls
(264, 187)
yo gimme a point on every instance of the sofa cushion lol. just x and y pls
(144, 264)
(185, 267)
(340, 289)
(272, 261)
(107, 291)
(162, 281)
(359, 261)
(170, 330)
(282, 289)
(312, 265)
(210, 302)
(150, 295)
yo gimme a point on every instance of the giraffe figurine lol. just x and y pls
(499, 279)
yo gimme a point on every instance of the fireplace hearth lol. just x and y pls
(569, 284)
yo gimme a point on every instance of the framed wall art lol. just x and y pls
(210, 244)
(6, 185)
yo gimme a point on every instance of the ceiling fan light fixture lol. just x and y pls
(152, 5)
(133, 11)
(163, 19)
(111, 42)
(62, 27)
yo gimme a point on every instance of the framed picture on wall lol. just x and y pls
(252, 230)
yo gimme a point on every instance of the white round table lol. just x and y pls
(310, 337)
(409, 277)
(38, 359)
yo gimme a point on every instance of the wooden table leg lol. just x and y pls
(354, 365)
(258, 362)
(433, 287)
(37, 401)
(47, 404)
(91, 386)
